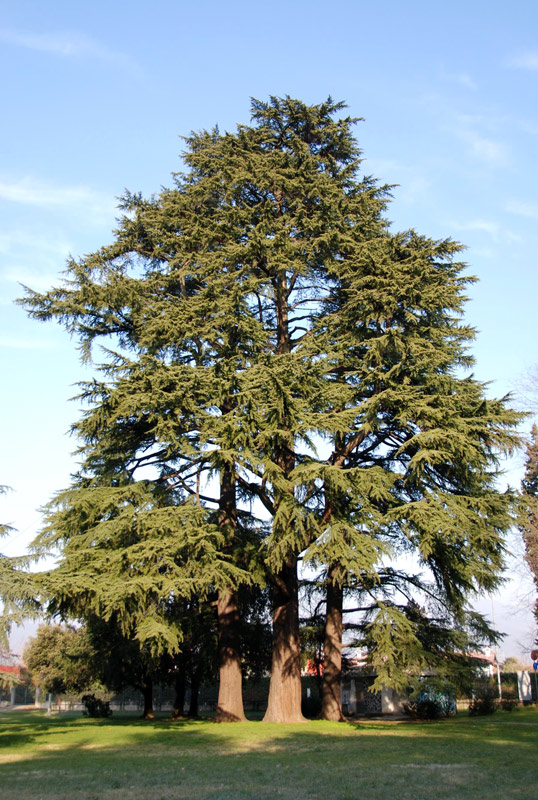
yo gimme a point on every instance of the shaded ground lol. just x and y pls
(69, 756)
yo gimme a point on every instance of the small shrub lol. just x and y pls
(425, 708)
(508, 704)
(485, 699)
(433, 701)
(95, 707)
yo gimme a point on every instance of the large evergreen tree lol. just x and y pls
(287, 382)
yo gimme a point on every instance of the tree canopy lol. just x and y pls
(59, 659)
(283, 380)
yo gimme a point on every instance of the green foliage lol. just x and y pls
(529, 507)
(511, 665)
(5, 618)
(94, 707)
(4, 529)
(509, 684)
(283, 378)
(60, 659)
(485, 698)
(427, 707)
(509, 704)
(8, 679)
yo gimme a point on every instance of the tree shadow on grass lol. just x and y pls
(199, 760)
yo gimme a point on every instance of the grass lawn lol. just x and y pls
(68, 756)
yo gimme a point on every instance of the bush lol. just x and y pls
(425, 708)
(432, 702)
(509, 685)
(95, 707)
(485, 699)
(508, 704)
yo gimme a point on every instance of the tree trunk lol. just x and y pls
(230, 700)
(195, 693)
(147, 693)
(179, 700)
(284, 703)
(331, 703)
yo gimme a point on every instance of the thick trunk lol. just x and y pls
(147, 694)
(179, 700)
(331, 703)
(230, 700)
(284, 703)
(195, 692)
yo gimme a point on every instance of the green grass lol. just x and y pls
(68, 756)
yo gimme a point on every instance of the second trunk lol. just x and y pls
(284, 703)
(331, 707)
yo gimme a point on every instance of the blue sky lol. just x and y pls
(95, 97)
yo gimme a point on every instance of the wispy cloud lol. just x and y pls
(37, 261)
(32, 192)
(523, 209)
(527, 60)
(495, 231)
(15, 241)
(481, 225)
(25, 344)
(38, 280)
(488, 150)
(68, 45)
(465, 80)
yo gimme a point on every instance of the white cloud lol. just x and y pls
(467, 81)
(32, 192)
(67, 45)
(523, 209)
(487, 150)
(40, 281)
(528, 60)
(486, 226)
(25, 344)
(31, 259)
(493, 229)
(17, 241)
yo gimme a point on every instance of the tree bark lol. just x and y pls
(284, 703)
(179, 700)
(195, 693)
(147, 694)
(230, 699)
(331, 703)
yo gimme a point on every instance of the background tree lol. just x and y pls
(4, 622)
(60, 659)
(512, 664)
(529, 526)
(17, 589)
